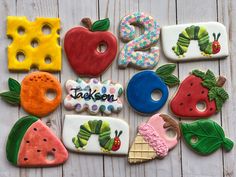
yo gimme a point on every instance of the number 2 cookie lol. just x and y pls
(94, 96)
(133, 52)
(32, 93)
(200, 95)
(143, 84)
(82, 47)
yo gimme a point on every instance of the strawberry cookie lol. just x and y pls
(199, 89)
(32, 93)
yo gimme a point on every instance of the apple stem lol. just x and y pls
(87, 22)
(221, 81)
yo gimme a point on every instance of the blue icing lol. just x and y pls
(139, 91)
(104, 89)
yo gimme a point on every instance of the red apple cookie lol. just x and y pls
(199, 89)
(81, 46)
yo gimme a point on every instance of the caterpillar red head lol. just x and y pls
(215, 44)
(117, 142)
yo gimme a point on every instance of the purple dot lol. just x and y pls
(94, 107)
(95, 81)
(78, 107)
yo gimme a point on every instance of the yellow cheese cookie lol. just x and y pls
(35, 44)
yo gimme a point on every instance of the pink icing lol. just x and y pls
(154, 140)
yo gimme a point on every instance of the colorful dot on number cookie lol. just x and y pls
(198, 41)
(200, 95)
(145, 86)
(30, 39)
(154, 139)
(205, 136)
(39, 93)
(96, 134)
(31, 143)
(93, 96)
(90, 51)
(140, 51)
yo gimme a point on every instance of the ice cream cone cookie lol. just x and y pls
(152, 140)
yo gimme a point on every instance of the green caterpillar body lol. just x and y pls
(101, 128)
(200, 34)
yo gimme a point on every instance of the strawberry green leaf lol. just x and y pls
(219, 103)
(208, 84)
(208, 136)
(101, 25)
(14, 85)
(170, 80)
(212, 94)
(222, 93)
(210, 76)
(165, 70)
(198, 73)
(11, 97)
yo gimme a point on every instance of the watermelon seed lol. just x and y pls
(35, 129)
(27, 142)
(38, 150)
(25, 159)
(53, 149)
(44, 139)
(189, 94)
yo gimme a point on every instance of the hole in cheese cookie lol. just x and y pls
(20, 56)
(21, 30)
(46, 29)
(34, 43)
(48, 59)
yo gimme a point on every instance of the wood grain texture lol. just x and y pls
(181, 162)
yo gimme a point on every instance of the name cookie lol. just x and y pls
(34, 44)
(200, 95)
(152, 140)
(30, 143)
(111, 134)
(32, 93)
(196, 41)
(205, 136)
(135, 51)
(82, 47)
(143, 84)
(94, 96)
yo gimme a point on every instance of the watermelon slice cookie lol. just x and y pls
(200, 95)
(32, 144)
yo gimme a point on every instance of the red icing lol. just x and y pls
(37, 142)
(190, 93)
(81, 49)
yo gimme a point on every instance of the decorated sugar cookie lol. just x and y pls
(32, 144)
(110, 135)
(205, 136)
(199, 89)
(35, 44)
(32, 93)
(136, 51)
(152, 140)
(197, 41)
(82, 47)
(143, 84)
(94, 96)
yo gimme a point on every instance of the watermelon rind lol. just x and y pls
(16, 135)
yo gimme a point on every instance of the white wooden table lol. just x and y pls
(181, 162)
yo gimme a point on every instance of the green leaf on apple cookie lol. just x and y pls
(101, 25)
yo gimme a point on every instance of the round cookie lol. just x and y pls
(199, 89)
(32, 93)
(143, 84)
(81, 47)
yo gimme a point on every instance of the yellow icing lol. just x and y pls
(24, 33)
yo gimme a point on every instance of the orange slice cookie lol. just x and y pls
(32, 93)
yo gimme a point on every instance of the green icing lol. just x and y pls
(16, 135)
(14, 85)
(165, 73)
(205, 136)
(101, 25)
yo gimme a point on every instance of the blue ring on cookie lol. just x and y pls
(139, 91)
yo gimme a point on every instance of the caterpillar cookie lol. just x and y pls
(93, 96)
(205, 136)
(200, 95)
(152, 140)
(112, 134)
(197, 41)
(30, 143)
(143, 84)
(82, 47)
(135, 52)
(31, 94)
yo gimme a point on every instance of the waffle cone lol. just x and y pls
(141, 151)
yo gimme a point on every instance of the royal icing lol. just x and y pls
(94, 95)
(82, 47)
(132, 53)
(35, 44)
(94, 134)
(195, 41)
(199, 89)
(143, 84)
